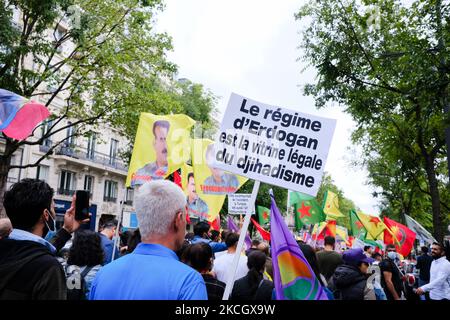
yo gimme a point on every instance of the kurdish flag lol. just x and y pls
(358, 230)
(293, 277)
(331, 205)
(399, 235)
(263, 214)
(306, 209)
(19, 116)
(373, 225)
(342, 232)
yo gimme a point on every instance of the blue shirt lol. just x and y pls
(108, 246)
(18, 234)
(215, 246)
(151, 272)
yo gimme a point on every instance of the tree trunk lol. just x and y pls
(438, 227)
(5, 162)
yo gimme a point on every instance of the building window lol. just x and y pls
(67, 183)
(42, 172)
(89, 184)
(110, 194)
(45, 129)
(130, 196)
(70, 139)
(113, 151)
(91, 146)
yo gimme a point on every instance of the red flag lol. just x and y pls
(399, 235)
(177, 179)
(349, 242)
(330, 229)
(216, 223)
(264, 234)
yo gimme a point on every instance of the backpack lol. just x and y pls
(76, 284)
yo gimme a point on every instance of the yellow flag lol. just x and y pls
(162, 145)
(331, 205)
(342, 232)
(211, 184)
(372, 224)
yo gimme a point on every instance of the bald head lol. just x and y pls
(5, 228)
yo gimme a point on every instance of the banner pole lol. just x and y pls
(237, 255)
(119, 222)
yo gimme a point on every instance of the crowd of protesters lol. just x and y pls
(160, 261)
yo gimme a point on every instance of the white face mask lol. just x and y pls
(392, 255)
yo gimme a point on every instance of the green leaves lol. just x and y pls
(392, 78)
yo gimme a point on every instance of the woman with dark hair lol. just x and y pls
(311, 257)
(199, 256)
(253, 286)
(85, 257)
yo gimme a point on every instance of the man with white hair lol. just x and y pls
(153, 271)
(5, 228)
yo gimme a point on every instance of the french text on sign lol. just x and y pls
(274, 145)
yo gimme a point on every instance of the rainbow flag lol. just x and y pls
(19, 116)
(294, 278)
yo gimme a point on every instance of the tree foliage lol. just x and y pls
(387, 63)
(102, 58)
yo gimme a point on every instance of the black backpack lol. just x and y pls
(74, 293)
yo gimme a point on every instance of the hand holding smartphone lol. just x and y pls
(82, 205)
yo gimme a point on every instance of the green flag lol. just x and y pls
(358, 230)
(306, 209)
(264, 215)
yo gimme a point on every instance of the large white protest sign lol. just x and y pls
(278, 146)
(239, 203)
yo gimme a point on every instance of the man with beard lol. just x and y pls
(158, 169)
(29, 269)
(153, 271)
(439, 285)
(197, 208)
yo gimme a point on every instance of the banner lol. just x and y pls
(198, 208)
(273, 145)
(239, 203)
(162, 145)
(211, 184)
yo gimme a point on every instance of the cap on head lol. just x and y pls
(356, 256)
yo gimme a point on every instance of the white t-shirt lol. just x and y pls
(223, 263)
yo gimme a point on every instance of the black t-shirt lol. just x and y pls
(389, 266)
(424, 265)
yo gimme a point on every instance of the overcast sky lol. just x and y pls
(250, 48)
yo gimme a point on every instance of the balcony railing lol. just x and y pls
(109, 199)
(66, 192)
(45, 147)
(128, 203)
(89, 155)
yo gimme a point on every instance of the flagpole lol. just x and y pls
(237, 255)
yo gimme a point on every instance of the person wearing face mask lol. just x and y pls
(349, 281)
(391, 278)
(29, 269)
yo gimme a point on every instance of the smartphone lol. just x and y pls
(82, 205)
